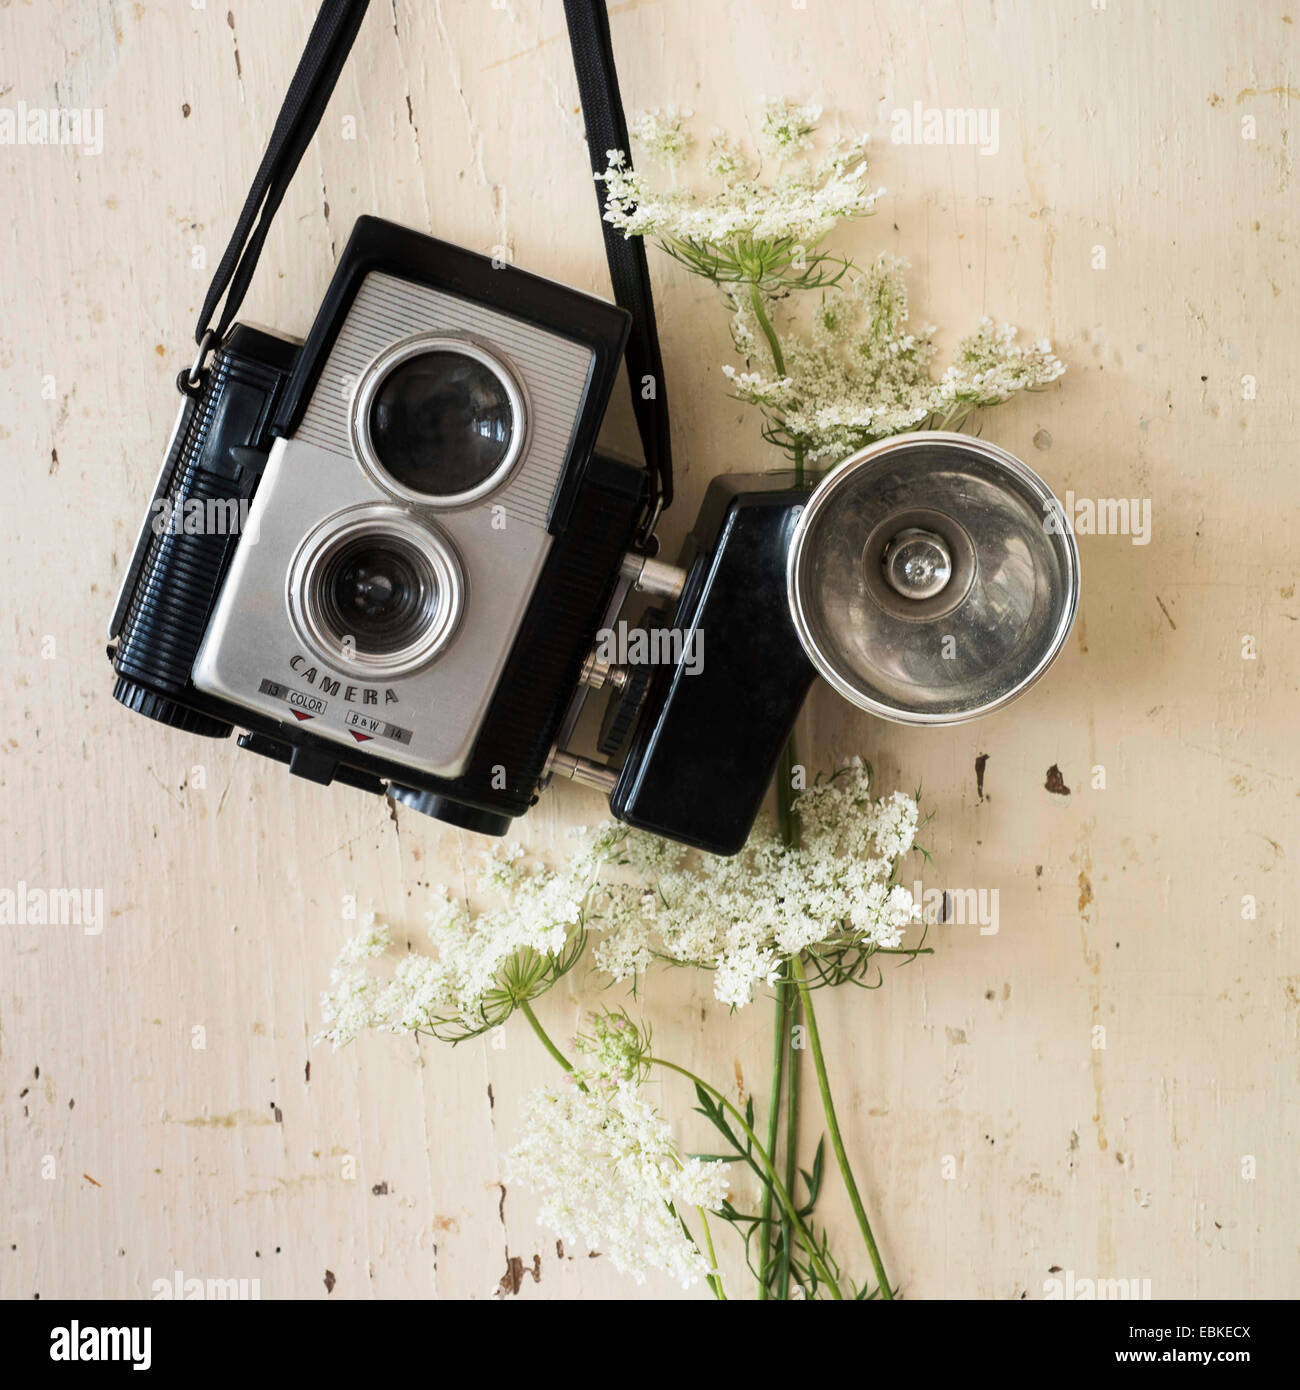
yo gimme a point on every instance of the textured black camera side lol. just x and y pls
(216, 458)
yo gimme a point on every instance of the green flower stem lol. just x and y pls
(786, 1004)
(832, 1123)
(805, 1236)
(778, 361)
(791, 1133)
(780, 1028)
(760, 313)
(713, 1280)
(787, 816)
(527, 1010)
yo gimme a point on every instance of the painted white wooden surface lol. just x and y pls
(1120, 127)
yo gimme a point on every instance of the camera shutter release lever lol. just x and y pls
(654, 577)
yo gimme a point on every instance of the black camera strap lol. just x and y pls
(304, 104)
(327, 48)
(602, 111)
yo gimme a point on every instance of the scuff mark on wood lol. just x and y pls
(1289, 93)
(234, 38)
(234, 1120)
(513, 1279)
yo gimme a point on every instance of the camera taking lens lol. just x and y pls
(376, 589)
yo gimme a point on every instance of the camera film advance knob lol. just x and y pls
(622, 710)
(628, 696)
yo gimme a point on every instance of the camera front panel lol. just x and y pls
(398, 534)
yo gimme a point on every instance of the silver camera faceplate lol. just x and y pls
(430, 718)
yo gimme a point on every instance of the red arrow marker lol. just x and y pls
(297, 714)
(360, 738)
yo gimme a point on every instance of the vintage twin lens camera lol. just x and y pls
(391, 555)
(387, 553)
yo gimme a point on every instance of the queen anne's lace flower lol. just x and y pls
(725, 162)
(800, 204)
(859, 374)
(607, 1165)
(742, 916)
(649, 899)
(788, 129)
(480, 955)
(663, 134)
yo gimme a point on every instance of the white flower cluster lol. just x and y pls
(607, 1165)
(861, 375)
(465, 985)
(741, 917)
(605, 1162)
(788, 129)
(800, 204)
(651, 900)
(664, 135)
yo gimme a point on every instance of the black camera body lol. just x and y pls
(206, 638)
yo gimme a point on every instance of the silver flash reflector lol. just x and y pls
(931, 578)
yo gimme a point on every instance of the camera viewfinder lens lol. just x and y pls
(442, 423)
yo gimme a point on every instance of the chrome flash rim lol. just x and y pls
(812, 627)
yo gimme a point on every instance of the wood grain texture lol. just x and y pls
(225, 881)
